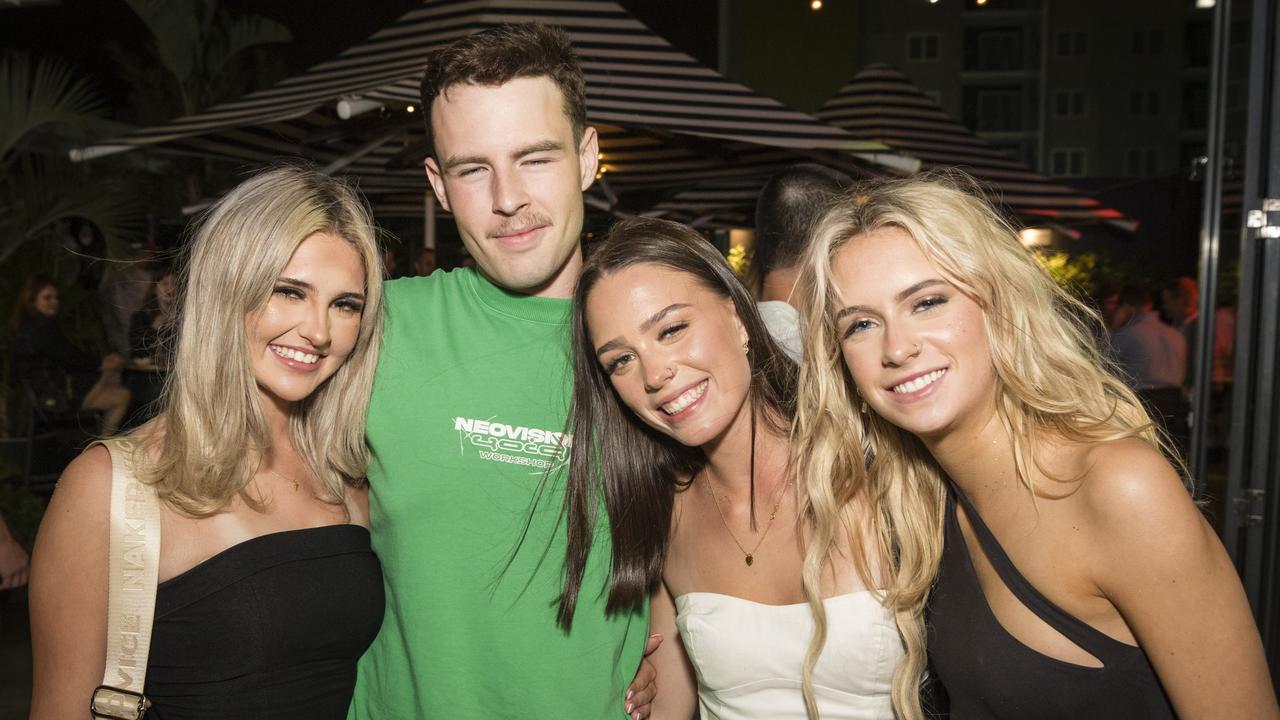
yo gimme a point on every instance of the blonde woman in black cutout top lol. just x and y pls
(948, 376)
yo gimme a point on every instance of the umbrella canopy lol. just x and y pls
(635, 79)
(665, 121)
(881, 104)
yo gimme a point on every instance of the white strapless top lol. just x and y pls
(748, 657)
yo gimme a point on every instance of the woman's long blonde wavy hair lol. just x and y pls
(856, 468)
(211, 433)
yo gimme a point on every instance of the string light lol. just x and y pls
(410, 108)
(815, 5)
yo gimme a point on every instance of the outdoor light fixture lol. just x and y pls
(1206, 3)
(350, 107)
(1035, 237)
(410, 108)
(815, 5)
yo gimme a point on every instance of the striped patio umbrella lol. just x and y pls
(880, 104)
(665, 120)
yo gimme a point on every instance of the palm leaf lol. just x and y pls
(244, 33)
(42, 191)
(33, 95)
(178, 29)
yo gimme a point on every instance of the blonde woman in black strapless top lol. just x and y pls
(269, 591)
(1066, 571)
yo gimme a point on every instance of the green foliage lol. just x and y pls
(740, 261)
(34, 95)
(37, 189)
(201, 46)
(40, 191)
(1086, 273)
(1072, 273)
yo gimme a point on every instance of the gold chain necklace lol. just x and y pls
(282, 477)
(748, 557)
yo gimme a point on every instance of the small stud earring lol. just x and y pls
(746, 346)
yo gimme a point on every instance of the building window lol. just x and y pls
(1144, 102)
(1195, 105)
(1070, 44)
(922, 47)
(1066, 162)
(1197, 44)
(994, 49)
(1141, 162)
(1148, 42)
(993, 109)
(1068, 103)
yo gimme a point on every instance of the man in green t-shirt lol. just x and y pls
(468, 409)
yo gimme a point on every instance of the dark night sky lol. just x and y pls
(79, 30)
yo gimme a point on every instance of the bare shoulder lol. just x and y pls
(1140, 514)
(84, 489)
(1125, 478)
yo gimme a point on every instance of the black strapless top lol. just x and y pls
(987, 673)
(270, 628)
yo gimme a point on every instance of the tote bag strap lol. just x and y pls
(133, 568)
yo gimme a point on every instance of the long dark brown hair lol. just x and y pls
(614, 453)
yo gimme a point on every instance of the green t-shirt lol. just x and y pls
(467, 410)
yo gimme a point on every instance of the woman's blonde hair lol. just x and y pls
(212, 433)
(1051, 382)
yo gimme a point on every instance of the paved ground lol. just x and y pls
(15, 656)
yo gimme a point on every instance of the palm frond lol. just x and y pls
(40, 93)
(41, 191)
(244, 33)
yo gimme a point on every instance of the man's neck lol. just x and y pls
(778, 284)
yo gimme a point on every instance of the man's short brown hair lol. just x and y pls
(497, 55)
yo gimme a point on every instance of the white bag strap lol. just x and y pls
(133, 568)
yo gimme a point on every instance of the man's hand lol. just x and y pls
(644, 687)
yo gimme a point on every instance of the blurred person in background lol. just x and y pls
(425, 263)
(149, 332)
(61, 377)
(1180, 304)
(786, 208)
(1153, 357)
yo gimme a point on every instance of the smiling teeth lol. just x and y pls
(687, 398)
(292, 354)
(919, 383)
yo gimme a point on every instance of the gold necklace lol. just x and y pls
(282, 477)
(748, 557)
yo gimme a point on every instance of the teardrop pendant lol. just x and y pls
(750, 560)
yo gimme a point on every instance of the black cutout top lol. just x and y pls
(988, 673)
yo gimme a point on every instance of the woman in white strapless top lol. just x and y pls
(749, 655)
(707, 514)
